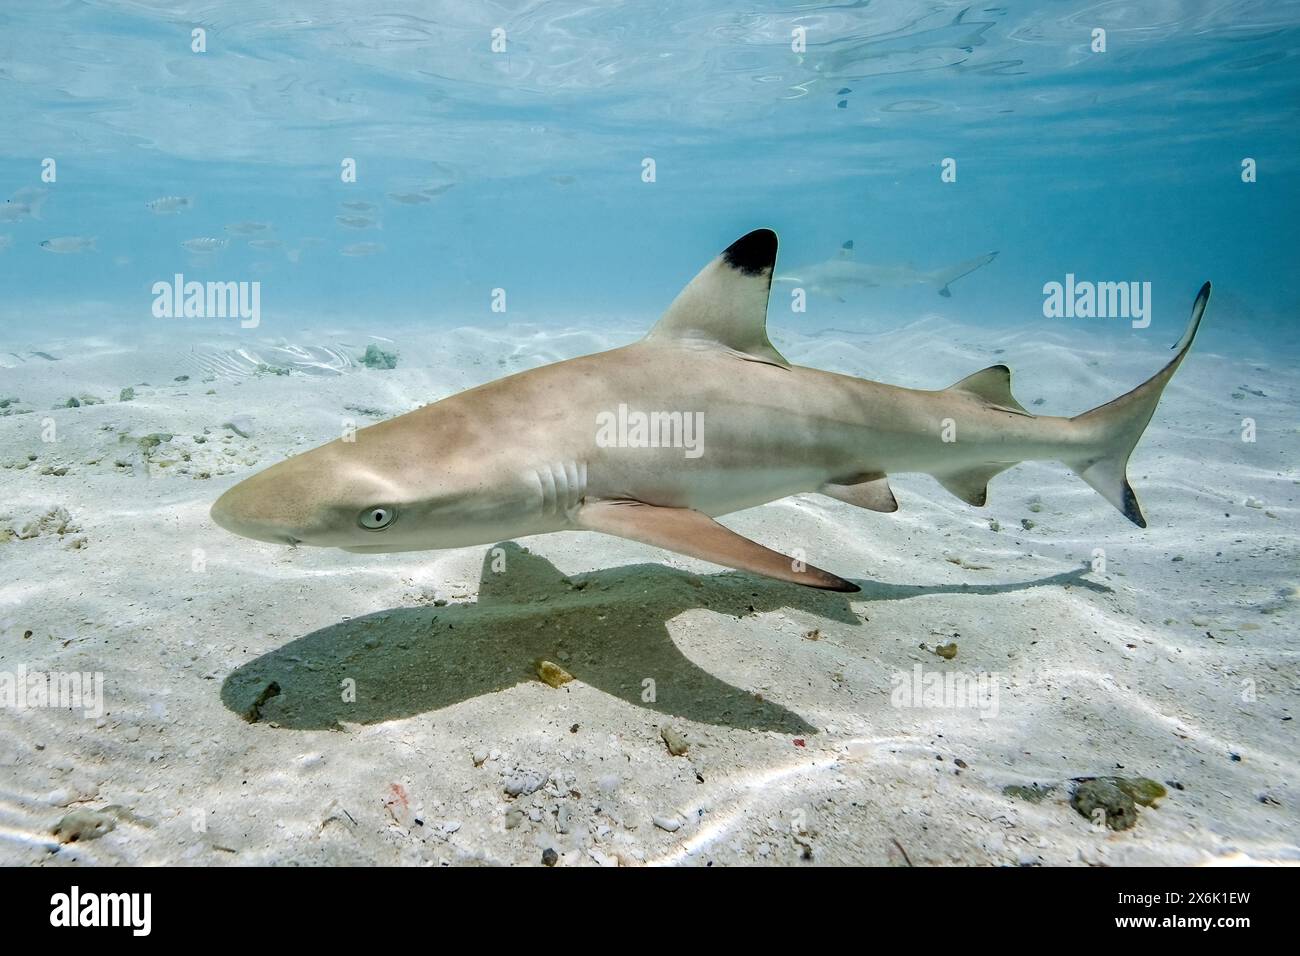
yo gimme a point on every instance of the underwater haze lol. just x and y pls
(233, 232)
(523, 168)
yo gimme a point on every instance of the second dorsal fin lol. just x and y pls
(725, 306)
(993, 384)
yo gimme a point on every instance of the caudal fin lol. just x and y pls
(1112, 430)
(944, 277)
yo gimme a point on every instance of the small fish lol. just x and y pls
(205, 244)
(563, 180)
(6, 242)
(69, 244)
(437, 190)
(363, 249)
(410, 199)
(247, 228)
(264, 243)
(357, 222)
(24, 204)
(167, 205)
(359, 206)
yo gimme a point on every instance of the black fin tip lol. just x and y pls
(752, 253)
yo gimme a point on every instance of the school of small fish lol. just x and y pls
(26, 203)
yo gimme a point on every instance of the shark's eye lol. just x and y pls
(377, 517)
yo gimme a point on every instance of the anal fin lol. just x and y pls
(972, 484)
(696, 535)
(872, 493)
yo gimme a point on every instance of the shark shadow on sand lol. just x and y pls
(609, 628)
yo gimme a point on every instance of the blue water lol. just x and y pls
(1161, 652)
(1123, 165)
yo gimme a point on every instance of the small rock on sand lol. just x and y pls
(1100, 800)
(523, 782)
(53, 520)
(677, 744)
(1034, 793)
(375, 357)
(553, 674)
(83, 825)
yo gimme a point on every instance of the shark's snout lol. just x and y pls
(239, 513)
(323, 498)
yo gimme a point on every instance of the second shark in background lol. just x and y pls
(838, 276)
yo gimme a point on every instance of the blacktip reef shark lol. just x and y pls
(835, 277)
(523, 455)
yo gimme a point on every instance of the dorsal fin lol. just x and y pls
(993, 384)
(725, 306)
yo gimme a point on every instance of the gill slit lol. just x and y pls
(560, 486)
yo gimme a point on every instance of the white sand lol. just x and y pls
(1155, 667)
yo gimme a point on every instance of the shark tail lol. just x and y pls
(1112, 430)
(944, 277)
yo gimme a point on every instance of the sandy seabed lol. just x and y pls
(226, 738)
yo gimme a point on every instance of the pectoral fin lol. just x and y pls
(874, 494)
(697, 535)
